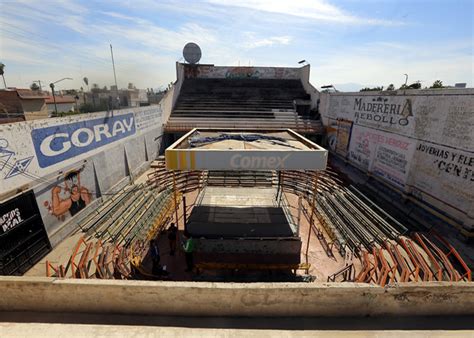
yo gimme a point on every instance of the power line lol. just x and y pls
(51, 44)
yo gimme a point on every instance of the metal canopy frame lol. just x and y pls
(180, 156)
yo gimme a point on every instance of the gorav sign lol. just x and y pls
(59, 143)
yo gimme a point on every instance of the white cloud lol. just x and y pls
(382, 63)
(252, 41)
(319, 10)
(145, 49)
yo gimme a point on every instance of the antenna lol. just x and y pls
(192, 53)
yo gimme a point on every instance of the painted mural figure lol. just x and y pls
(77, 200)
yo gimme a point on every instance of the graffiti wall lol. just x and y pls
(443, 173)
(69, 162)
(65, 196)
(29, 151)
(420, 141)
(216, 72)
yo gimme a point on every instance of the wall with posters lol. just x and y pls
(420, 141)
(71, 162)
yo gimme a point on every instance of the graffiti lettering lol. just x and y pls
(450, 162)
(433, 151)
(242, 73)
(377, 107)
(11, 219)
(380, 112)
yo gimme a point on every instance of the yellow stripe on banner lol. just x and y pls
(193, 160)
(183, 163)
(171, 158)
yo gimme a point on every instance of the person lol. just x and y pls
(155, 257)
(78, 197)
(172, 235)
(188, 248)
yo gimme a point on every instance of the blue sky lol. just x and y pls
(348, 43)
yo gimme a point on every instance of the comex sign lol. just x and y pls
(58, 143)
(258, 162)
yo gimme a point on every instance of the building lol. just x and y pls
(64, 103)
(242, 97)
(103, 99)
(22, 104)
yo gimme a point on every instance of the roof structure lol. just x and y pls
(60, 99)
(208, 149)
(11, 99)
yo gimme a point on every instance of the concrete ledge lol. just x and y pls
(234, 299)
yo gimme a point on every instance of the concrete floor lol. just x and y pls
(87, 325)
(59, 255)
(235, 197)
(238, 212)
(321, 264)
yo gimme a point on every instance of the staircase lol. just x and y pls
(260, 104)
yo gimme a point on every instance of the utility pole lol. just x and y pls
(115, 76)
(2, 72)
(54, 96)
(54, 99)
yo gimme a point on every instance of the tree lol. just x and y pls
(34, 86)
(437, 84)
(391, 87)
(375, 89)
(416, 85)
(2, 71)
(131, 86)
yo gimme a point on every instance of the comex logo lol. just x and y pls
(258, 162)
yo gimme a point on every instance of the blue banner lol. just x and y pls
(59, 143)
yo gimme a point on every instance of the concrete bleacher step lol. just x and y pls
(232, 103)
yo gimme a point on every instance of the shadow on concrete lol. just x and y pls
(272, 323)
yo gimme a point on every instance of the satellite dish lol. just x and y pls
(192, 53)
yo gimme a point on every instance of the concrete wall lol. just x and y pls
(34, 109)
(249, 246)
(419, 141)
(62, 107)
(74, 162)
(310, 89)
(234, 299)
(226, 72)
